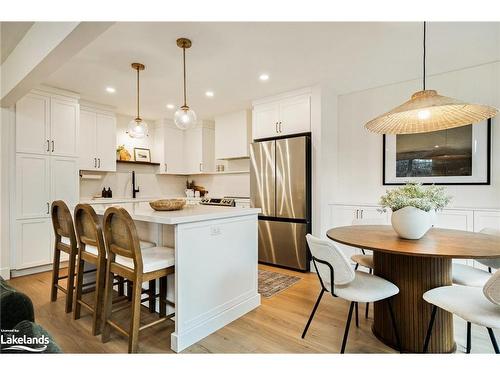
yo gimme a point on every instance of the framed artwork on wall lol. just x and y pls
(457, 156)
(142, 155)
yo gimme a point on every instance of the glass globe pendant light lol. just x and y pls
(184, 117)
(137, 128)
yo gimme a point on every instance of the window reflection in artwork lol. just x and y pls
(442, 153)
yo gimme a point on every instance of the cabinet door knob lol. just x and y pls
(48, 208)
(276, 126)
(95, 162)
(361, 214)
(201, 167)
(279, 127)
(165, 167)
(53, 147)
(99, 163)
(48, 145)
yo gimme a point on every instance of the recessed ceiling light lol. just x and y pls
(264, 77)
(210, 94)
(111, 90)
(170, 106)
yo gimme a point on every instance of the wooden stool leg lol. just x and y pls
(121, 286)
(77, 308)
(108, 304)
(133, 338)
(129, 290)
(151, 296)
(71, 282)
(99, 297)
(163, 296)
(55, 275)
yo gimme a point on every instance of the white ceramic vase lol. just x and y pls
(411, 223)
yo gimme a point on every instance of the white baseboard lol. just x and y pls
(32, 270)
(195, 334)
(5, 273)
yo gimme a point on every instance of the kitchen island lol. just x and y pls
(215, 280)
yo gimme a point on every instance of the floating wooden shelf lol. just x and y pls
(204, 173)
(137, 162)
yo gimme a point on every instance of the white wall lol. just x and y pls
(359, 152)
(5, 116)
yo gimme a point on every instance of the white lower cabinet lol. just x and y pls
(33, 242)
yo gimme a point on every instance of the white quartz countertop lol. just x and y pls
(141, 211)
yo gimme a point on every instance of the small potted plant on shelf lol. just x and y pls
(414, 208)
(122, 153)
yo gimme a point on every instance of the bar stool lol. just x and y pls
(126, 259)
(65, 241)
(91, 249)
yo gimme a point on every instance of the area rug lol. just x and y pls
(272, 283)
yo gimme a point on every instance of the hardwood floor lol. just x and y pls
(274, 327)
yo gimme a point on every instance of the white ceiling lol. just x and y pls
(227, 58)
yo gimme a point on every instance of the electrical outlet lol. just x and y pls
(215, 231)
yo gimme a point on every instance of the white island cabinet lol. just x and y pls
(215, 264)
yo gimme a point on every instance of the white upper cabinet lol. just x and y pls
(64, 121)
(199, 156)
(286, 115)
(97, 140)
(47, 124)
(33, 124)
(173, 161)
(233, 135)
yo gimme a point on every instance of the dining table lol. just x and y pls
(415, 266)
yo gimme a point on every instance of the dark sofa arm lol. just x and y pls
(14, 306)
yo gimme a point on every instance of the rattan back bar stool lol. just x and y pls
(128, 260)
(65, 241)
(91, 249)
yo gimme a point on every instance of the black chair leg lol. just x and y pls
(357, 317)
(493, 340)
(468, 338)
(347, 325)
(356, 266)
(429, 330)
(366, 309)
(394, 325)
(312, 313)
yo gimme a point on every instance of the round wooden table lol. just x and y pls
(415, 266)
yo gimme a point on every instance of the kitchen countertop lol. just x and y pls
(141, 211)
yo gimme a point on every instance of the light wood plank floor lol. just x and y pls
(274, 327)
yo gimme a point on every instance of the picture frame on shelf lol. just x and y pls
(456, 156)
(142, 155)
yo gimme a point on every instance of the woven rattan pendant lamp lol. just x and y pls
(427, 111)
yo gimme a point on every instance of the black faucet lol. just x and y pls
(134, 190)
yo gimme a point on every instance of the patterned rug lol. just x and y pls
(271, 283)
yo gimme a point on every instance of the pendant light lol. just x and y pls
(137, 128)
(184, 117)
(427, 111)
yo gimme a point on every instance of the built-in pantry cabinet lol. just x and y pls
(282, 115)
(233, 134)
(97, 140)
(468, 219)
(46, 169)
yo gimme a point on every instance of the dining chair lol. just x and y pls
(128, 260)
(474, 305)
(364, 259)
(463, 274)
(337, 277)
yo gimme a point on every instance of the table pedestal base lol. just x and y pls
(414, 276)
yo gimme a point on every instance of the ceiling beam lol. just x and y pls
(44, 49)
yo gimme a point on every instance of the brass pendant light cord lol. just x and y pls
(184, 66)
(138, 116)
(425, 31)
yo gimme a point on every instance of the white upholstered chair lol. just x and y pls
(474, 305)
(337, 277)
(364, 259)
(470, 276)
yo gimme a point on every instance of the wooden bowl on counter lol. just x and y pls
(168, 204)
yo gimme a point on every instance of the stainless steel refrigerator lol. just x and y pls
(280, 185)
